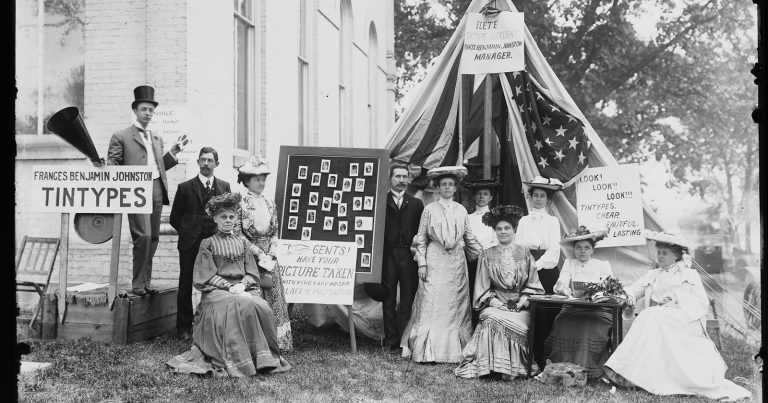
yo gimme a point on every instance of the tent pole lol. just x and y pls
(487, 110)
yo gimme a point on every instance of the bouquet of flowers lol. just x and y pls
(608, 290)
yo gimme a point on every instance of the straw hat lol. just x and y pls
(583, 233)
(458, 171)
(545, 183)
(667, 237)
(478, 184)
(256, 166)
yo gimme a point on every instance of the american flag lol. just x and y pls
(557, 140)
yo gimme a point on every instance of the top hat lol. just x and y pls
(143, 93)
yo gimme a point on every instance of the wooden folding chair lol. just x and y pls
(36, 258)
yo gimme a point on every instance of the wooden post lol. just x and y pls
(62, 301)
(352, 338)
(487, 136)
(114, 263)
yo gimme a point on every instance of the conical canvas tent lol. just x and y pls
(445, 116)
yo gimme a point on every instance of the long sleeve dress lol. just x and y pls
(440, 323)
(540, 232)
(500, 342)
(580, 335)
(233, 334)
(259, 225)
(667, 350)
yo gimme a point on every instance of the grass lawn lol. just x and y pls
(324, 370)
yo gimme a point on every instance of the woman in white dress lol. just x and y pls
(580, 335)
(667, 350)
(440, 323)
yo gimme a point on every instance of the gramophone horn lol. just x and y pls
(94, 227)
(69, 125)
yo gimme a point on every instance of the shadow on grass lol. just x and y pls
(324, 370)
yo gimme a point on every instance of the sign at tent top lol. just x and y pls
(493, 43)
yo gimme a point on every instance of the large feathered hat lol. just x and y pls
(257, 165)
(226, 201)
(509, 213)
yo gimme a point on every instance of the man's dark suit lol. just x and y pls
(400, 227)
(126, 147)
(190, 220)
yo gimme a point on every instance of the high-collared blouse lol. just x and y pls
(592, 271)
(484, 234)
(222, 261)
(259, 221)
(505, 272)
(445, 223)
(678, 283)
(539, 230)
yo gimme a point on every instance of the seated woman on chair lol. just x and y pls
(580, 335)
(667, 350)
(234, 331)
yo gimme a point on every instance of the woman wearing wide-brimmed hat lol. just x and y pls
(540, 232)
(667, 350)
(506, 276)
(234, 330)
(440, 323)
(258, 222)
(580, 335)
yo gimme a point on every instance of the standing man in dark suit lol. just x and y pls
(402, 223)
(137, 145)
(190, 220)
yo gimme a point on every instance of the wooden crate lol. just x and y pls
(134, 318)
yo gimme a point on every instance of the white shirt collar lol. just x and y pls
(447, 203)
(537, 212)
(481, 210)
(203, 179)
(137, 124)
(397, 195)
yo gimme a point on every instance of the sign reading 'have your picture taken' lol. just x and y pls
(610, 197)
(493, 43)
(318, 272)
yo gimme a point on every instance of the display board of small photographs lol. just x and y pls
(332, 198)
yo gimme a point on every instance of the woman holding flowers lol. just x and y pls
(667, 350)
(580, 335)
(506, 276)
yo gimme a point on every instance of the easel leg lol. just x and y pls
(352, 339)
(114, 263)
(62, 301)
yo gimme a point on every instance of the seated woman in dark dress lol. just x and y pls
(234, 331)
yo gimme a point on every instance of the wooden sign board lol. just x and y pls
(335, 194)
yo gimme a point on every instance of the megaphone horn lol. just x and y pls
(69, 125)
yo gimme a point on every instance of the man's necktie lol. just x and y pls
(208, 186)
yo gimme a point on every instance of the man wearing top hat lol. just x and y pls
(483, 195)
(137, 145)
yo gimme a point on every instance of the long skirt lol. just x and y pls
(440, 323)
(580, 336)
(233, 334)
(275, 297)
(499, 344)
(666, 354)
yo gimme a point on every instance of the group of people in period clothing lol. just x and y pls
(491, 261)
(464, 279)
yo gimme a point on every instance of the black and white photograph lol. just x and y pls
(342, 228)
(326, 206)
(302, 172)
(313, 198)
(293, 222)
(357, 203)
(328, 223)
(363, 223)
(296, 189)
(360, 240)
(342, 210)
(316, 178)
(368, 170)
(310, 216)
(325, 166)
(331, 180)
(293, 206)
(347, 185)
(306, 233)
(353, 167)
(359, 185)
(368, 203)
(337, 195)
(365, 260)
